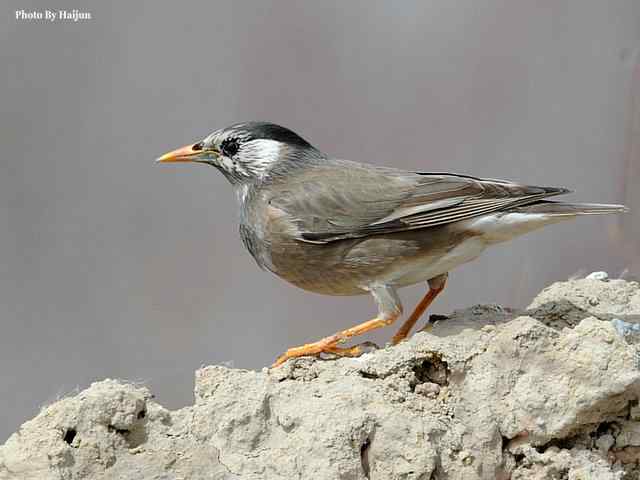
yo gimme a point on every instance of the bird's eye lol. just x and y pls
(229, 147)
(197, 147)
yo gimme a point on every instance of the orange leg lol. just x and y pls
(436, 285)
(354, 351)
(329, 344)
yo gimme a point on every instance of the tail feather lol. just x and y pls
(503, 226)
(548, 207)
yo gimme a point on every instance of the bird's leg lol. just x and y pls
(436, 285)
(354, 351)
(389, 309)
(329, 344)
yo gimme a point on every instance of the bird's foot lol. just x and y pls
(344, 352)
(399, 337)
(312, 349)
(354, 351)
(328, 345)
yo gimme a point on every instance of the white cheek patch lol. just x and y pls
(226, 163)
(258, 155)
(253, 159)
(233, 167)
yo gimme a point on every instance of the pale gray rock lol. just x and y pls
(567, 303)
(485, 393)
(603, 276)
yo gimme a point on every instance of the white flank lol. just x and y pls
(501, 227)
(428, 267)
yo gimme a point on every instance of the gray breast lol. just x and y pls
(256, 247)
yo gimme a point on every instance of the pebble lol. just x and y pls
(602, 276)
(427, 389)
(625, 328)
(605, 442)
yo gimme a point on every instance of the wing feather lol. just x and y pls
(342, 199)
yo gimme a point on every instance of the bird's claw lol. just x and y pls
(331, 349)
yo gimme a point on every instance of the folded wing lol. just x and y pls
(344, 200)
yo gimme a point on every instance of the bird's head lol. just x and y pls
(246, 152)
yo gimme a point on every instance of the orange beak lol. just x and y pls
(183, 154)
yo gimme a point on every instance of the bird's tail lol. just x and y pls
(561, 209)
(517, 221)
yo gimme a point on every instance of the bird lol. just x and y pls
(339, 227)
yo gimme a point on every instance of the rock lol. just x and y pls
(634, 413)
(572, 464)
(625, 329)
(565, 304)
(602, 276)
(427, 389)
(605, 442)
(629, 434)
(485, 393)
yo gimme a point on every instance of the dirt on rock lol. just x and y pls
(486, 393)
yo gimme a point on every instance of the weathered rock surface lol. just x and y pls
(489, 393)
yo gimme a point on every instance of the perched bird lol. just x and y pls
(344, 228)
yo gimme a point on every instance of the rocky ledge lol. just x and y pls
(486, 393)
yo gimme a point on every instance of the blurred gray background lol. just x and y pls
(112, 266)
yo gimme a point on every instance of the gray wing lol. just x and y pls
(343, 200)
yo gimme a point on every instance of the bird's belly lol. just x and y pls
(350, 267)
(315, 268)
(422, 268)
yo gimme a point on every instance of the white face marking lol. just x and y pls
(226, 163)
(254, 157)
(258, 155)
